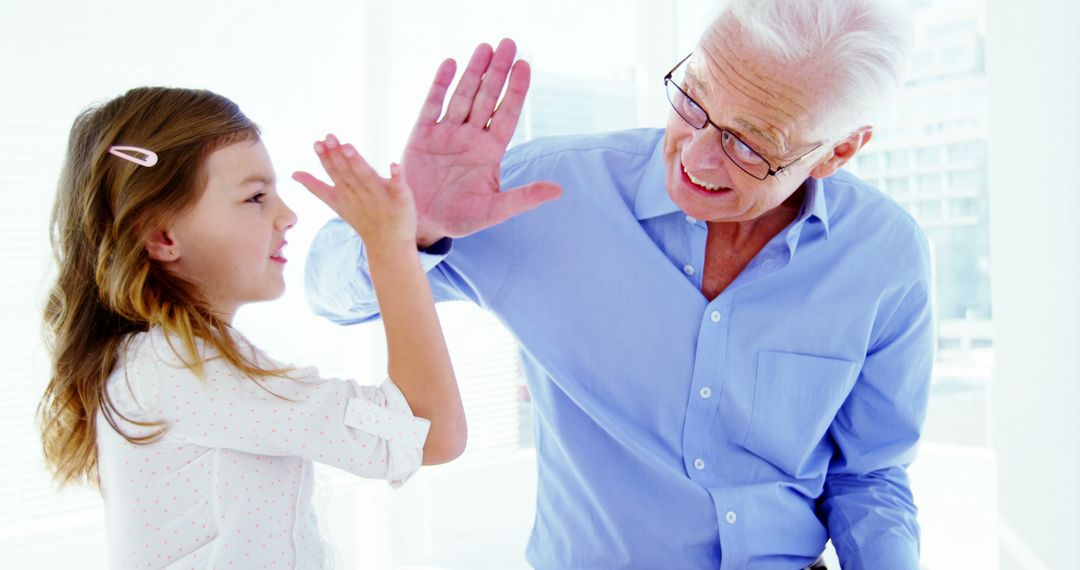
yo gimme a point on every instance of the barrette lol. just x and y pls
(149, 157)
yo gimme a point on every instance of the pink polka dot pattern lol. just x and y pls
(230, 484)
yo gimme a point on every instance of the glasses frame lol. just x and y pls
(708, 121)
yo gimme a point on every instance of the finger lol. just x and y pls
(522, 199)
(458, 109)
(432, 107)
(322, 149)
(492, 84)
(397, 180)
(320, 189)
(505, 119)
(362, 172)
(337, 165)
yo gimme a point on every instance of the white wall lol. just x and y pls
(1033, 59)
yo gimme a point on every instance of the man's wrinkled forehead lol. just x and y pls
(702, 78)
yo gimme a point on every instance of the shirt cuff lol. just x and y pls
(900, 553)
(393, 421)
(390, 418)
(435, 253)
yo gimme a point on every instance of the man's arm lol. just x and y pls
(451, 163)
(338, 280)
(867, 502)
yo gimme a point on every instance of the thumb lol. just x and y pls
(397, 180)
(522, 199)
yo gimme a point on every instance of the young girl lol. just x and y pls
(166, 221)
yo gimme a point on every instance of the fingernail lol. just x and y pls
(319, 148)
(331, 141)
(348, 150)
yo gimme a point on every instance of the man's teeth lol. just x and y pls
(702, 183)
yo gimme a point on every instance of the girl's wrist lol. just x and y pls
(390, 248)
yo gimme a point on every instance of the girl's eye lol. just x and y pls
(257, 197)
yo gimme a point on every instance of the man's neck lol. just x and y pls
(741, 235)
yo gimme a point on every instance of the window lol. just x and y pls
(898, 185)
(897, 159)
(963, 207)
(928, 157)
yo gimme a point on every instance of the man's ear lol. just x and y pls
(843, 152)
(161, 246)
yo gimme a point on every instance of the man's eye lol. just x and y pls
(742, 149)
(257, 197)
(738, 147)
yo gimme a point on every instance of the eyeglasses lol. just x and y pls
(746, 158)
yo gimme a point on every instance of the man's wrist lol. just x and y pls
(425, 240)
(440, 246)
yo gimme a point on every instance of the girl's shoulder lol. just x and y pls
(146, 359)
(133, 384)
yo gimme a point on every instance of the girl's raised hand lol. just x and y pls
(381, 210)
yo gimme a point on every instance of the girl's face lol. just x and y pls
(230, 243)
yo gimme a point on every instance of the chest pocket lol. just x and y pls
(796, 397)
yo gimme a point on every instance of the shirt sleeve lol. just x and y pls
(867, 501)
(369, 431)
(338, 282)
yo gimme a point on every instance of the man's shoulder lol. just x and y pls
(847, 194)
(629, 143)
(866, 214)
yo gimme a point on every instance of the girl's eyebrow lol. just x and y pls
(257, 178)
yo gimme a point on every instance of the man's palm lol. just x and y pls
(452, 164)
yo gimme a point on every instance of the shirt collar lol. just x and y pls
(814, 205)
(652, 199)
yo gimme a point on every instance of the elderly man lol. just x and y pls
(727, 339)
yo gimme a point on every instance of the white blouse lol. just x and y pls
(230, 483)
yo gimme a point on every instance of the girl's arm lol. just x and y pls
(382, 213)
(418, 360)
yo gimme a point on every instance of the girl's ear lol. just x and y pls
(161, 246)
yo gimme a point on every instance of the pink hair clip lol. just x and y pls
(149, 157)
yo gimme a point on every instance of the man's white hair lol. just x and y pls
(863, 43)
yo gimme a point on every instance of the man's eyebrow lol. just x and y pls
(693, 78)
(747, 130)
(760, 134)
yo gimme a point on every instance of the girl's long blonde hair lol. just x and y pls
(108, 287)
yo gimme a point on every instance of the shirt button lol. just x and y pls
(705, 393)
(715, 316)
(368, 418)
(688, 269)
(730, 517)
(691, 220)
(699, 464)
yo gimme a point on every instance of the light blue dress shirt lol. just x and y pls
(676, 432)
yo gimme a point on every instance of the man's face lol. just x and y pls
(767, 105)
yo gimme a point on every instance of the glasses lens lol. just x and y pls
(690, 111)
(743, 156)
